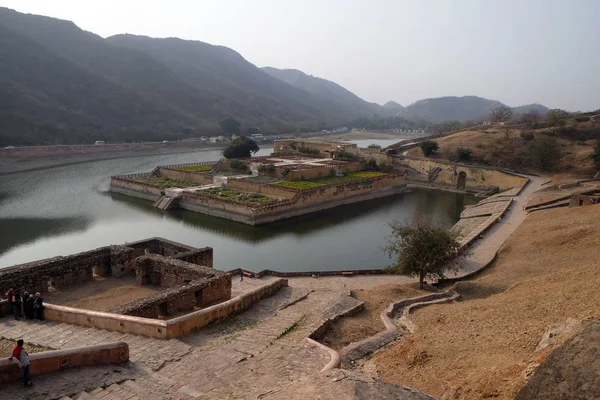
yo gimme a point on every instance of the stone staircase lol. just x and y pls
(163, 202)
(433, 174)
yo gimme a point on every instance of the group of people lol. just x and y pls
(31, 306)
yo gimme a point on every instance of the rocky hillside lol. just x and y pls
(60, 84)
(464, 108)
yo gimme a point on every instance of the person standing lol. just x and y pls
(10, 295)
(21, 354)
(18, 304)
(29, 307)
(38, 305)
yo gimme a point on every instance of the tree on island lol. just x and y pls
(501, 114)
(422, 249)
(429, 147)
(241, 147)
(230, 125)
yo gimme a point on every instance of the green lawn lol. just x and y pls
(164, 183)
(299, 184)
(318, 182)
(249, 199)
(196, 168)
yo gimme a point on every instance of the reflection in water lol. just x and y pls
(68, 209)
(20, 231)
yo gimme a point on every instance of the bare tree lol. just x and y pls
(501, 114)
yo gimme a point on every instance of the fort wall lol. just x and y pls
(201, 178)
(134, 189)
(476, 178)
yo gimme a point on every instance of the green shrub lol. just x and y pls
(164, 183)
(546, 152)
(371, 164)
(266, 168)
(309, 151)
(385, 167)
(429, 147)
(299, 184)
(237, 164)
(373, 146)
(464, 154)
(346, 156)
(196, 168)
(596, 154)
(250, 199)
(241, 147)
(527, 136)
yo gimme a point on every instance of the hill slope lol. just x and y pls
(60, 84)
(324, 89)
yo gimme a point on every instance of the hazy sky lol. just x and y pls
(515, 51)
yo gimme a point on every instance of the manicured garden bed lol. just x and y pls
(318, 182)
(299, 184)
(163, 182)
(196, 168)
(249, 199)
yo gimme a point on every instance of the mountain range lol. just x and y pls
(60, 85)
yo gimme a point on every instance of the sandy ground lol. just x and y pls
(484, 345)
(367, 322)
(101, 294)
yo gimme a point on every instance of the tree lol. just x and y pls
(531, 118)
(464, 154)
(501, 114)
(546, 152)
(241, 147)
(230, 125)
(422, 249)
(557, 117)
(429, 147)
(596, 154)
(373, 146)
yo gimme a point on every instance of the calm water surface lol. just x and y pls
(64, 210)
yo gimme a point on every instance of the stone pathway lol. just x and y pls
(255, 352)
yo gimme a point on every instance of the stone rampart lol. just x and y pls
(473, 178)
(124, 185)
(52, 361)
(157, 270)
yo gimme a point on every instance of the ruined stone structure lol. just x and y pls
(179, 268)
(584, 200)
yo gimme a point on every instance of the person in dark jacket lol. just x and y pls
(29, 307)
(18, 304)
(38, 305)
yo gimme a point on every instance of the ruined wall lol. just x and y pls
(152, 269)
(201, 178)
(200, 256)
(477, 178)
(62, 271)
(584, 200)
(135, 189)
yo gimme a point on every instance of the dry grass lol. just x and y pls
(7, 346)
(497, 148)
(367, 322)
(480, 347)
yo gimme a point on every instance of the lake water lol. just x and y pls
(68, 209)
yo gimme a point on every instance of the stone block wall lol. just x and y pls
(152, 269)
(123, 185)
(201, 178)
(246, 185)
(200, 256)
(584, 200)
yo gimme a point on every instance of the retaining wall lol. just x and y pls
(52, 361)
(246, 185)
(477, 178)
(194, 321)
(134, 189)
(201, 178)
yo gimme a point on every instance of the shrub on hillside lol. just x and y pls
(464, 154)
(429, 147)
(527, 136)
(309, 151)
(545, 151)
(346, 156)
(595, 156)
(266, 168)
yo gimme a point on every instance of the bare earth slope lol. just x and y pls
(485, 345)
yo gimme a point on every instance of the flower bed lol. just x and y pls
(163, 183)
(196, 168)
(249, 199)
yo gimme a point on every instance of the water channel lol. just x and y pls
(68, 209)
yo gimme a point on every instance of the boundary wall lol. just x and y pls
(51, 361)
(162, 329)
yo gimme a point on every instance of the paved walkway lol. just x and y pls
(259, 351)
